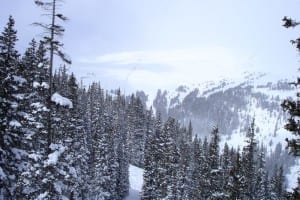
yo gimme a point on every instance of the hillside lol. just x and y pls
(231, 104)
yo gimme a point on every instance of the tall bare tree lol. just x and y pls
(52, 32)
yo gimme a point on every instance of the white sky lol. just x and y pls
(150, 44)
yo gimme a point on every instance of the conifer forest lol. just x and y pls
(61, 139)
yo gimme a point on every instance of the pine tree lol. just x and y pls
(53, 30)
(12, 161)
(261, 186)
(205, 171)
(120, 138)
(161, 162)
(81, 146)
(171, 158)
(136, 130)
(292, 106)
(226, 167)
(277, 184)
(105, 162)
(196, 177)
(248, 162)
(236, 189)
(150, 161)
(185, 162)
(214, 166)
(29, 182)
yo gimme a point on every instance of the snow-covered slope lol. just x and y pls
(136, 182)
(231, 104)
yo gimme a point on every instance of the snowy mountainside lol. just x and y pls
(231, 104)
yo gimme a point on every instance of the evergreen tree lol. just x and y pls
(226, 167)
(150, 160)
(121, 148)
(237, 179)
(105, 161)
(12, 161)
(205, 171)
(185, 163)
(214, 166)
(248, 163)
(262, 185)
(136, 130)
(196, 178)
(277, 184)
(171, 159)
(292, 106)
(53, 30)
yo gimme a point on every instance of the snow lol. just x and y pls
(40, 65)
(14, 123)
(53, 157)
(60, 100)
(39, 107)
(2, 174)
(19, 153)
(19, 79)
(42, 196)
(35, 84)
(43, 85)
(34, 156)
(136, 182)
(292, 176)
(19, 96)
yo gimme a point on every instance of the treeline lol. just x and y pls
(180, 167)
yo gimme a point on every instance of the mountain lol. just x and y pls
(231, 104)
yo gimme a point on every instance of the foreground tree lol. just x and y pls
(10, 118)
(292, 106)
(53, 31)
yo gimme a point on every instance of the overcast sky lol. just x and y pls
(150, 44)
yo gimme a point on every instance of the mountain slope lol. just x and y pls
(231, 105)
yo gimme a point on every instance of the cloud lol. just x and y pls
(167, 69)
(167, 57)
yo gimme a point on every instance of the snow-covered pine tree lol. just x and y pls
(136, 130)
(32, 179)
(205, 170)
(214, 166)
(262, 182)
(106, 165)
(292, 106)
(277, 189)
(120, 144)
(52, 30)
(248, 162)
(184, 141)
(150, 160)
(170, 158)
(226, 167)
(195, 191)
(81, 145)
(13, 157)
(29, 181)
(93, 117)
(236, 189)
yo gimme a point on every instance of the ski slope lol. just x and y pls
(136, 182)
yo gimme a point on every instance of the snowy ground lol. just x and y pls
(292, 176)
(136, 182)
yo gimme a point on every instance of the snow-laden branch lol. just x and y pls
(60, 100)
